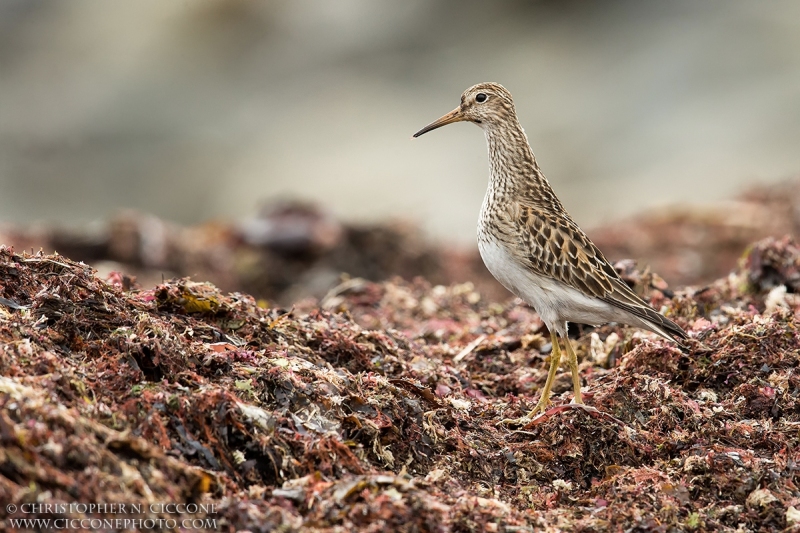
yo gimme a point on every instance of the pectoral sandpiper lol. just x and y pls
(532, 246)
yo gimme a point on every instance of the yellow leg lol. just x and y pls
(555, 360)
(572, 361)
(544, 399)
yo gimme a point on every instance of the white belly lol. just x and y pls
(555, 302)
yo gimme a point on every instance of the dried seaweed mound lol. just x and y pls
(380, 407)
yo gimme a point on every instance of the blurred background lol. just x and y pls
(208, 109)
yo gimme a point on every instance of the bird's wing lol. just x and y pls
(557, 248)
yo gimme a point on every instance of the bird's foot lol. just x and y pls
(540, 408)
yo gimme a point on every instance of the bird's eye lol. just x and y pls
(480, 98)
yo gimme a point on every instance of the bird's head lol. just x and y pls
(485, 104)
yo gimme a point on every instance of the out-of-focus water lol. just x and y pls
(201, 109)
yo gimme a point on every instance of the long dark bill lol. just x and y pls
(453, 116)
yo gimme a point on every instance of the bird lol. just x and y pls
(533, 247)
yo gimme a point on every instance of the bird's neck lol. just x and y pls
(514, 170)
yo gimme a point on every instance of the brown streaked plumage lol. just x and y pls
(533, 247)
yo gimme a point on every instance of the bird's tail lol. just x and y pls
(663, 326)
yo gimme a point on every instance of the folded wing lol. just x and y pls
(561, 250)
